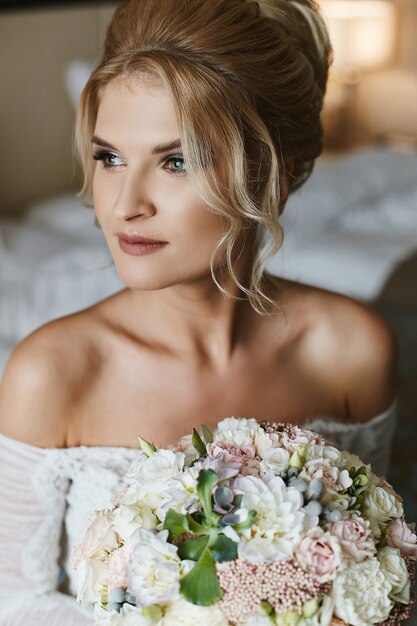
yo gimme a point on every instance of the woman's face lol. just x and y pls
(141, 188)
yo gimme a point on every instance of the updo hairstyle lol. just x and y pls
(247, 80)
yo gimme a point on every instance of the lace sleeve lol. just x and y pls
(32, 508)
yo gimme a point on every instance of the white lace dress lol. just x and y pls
(47, 496)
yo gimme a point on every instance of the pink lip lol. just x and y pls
(138, 246)
(137, 238)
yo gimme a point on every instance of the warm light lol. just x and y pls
(362, 32)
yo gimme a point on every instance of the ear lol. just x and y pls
(284, 183)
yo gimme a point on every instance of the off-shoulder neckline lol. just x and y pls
(389, 412)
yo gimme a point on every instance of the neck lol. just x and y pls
(197, 322)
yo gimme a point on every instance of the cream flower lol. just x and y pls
(149, 476)
(153, 572)
(127, 518)
(300, 437)
(279, 520)
(361, 593)
(379, 507)
(401, 535)
(239, 432)
(92, 575)
(275, 460)
(395, 569)
(99, 538)
(318, 451)
(355, 537)
(320, 554)
(182, 613)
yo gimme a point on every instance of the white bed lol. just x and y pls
(346, 230)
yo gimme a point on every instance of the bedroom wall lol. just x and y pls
(36, 115)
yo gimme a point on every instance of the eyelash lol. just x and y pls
(102, 155)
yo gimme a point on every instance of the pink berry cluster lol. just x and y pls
(284, 585)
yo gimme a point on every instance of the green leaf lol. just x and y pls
(207, 434)
(198, 443)
(247, 523)
(196, 528)
(176, 523)
(148, 448)
(201, 586)
(223, 549)
(206, 480)
(193, 548)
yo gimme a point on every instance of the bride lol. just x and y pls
(201, 118)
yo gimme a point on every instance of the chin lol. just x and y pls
(159, 278)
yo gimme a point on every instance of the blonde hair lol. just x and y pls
(248, 80)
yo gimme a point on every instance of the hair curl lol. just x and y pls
(248, 80)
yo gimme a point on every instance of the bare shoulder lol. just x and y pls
(355, 348)
(44, 376)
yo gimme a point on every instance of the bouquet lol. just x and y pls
(253, 525)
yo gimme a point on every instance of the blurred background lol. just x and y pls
(352, 228)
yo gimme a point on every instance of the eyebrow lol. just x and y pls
(160, 148)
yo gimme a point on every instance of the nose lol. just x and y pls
(133, 199)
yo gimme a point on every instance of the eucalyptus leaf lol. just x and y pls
(206, 480)
(207, 433)
(223, 549)
(193, 548)
(201, 586)
(176, 523)
(198, 443)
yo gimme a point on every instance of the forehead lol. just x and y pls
(138, 109)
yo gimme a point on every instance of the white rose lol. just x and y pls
(153, 571)
(379, 507)
(148, 476)
(318, 451)
(361, 593)
(182, 613)
(279, 519)
(395, 569)
(275, 460)
(92, 575)
(238, 431)
(127, 518)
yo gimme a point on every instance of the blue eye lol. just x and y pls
(106, 158)
(175, 164)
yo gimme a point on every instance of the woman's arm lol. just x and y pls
(32, 493)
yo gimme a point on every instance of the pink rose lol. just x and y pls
(402, 536)
(98, 539)
(242, 459)
(355, 538)
(320, 554)
(230, 453)
(296, 436)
